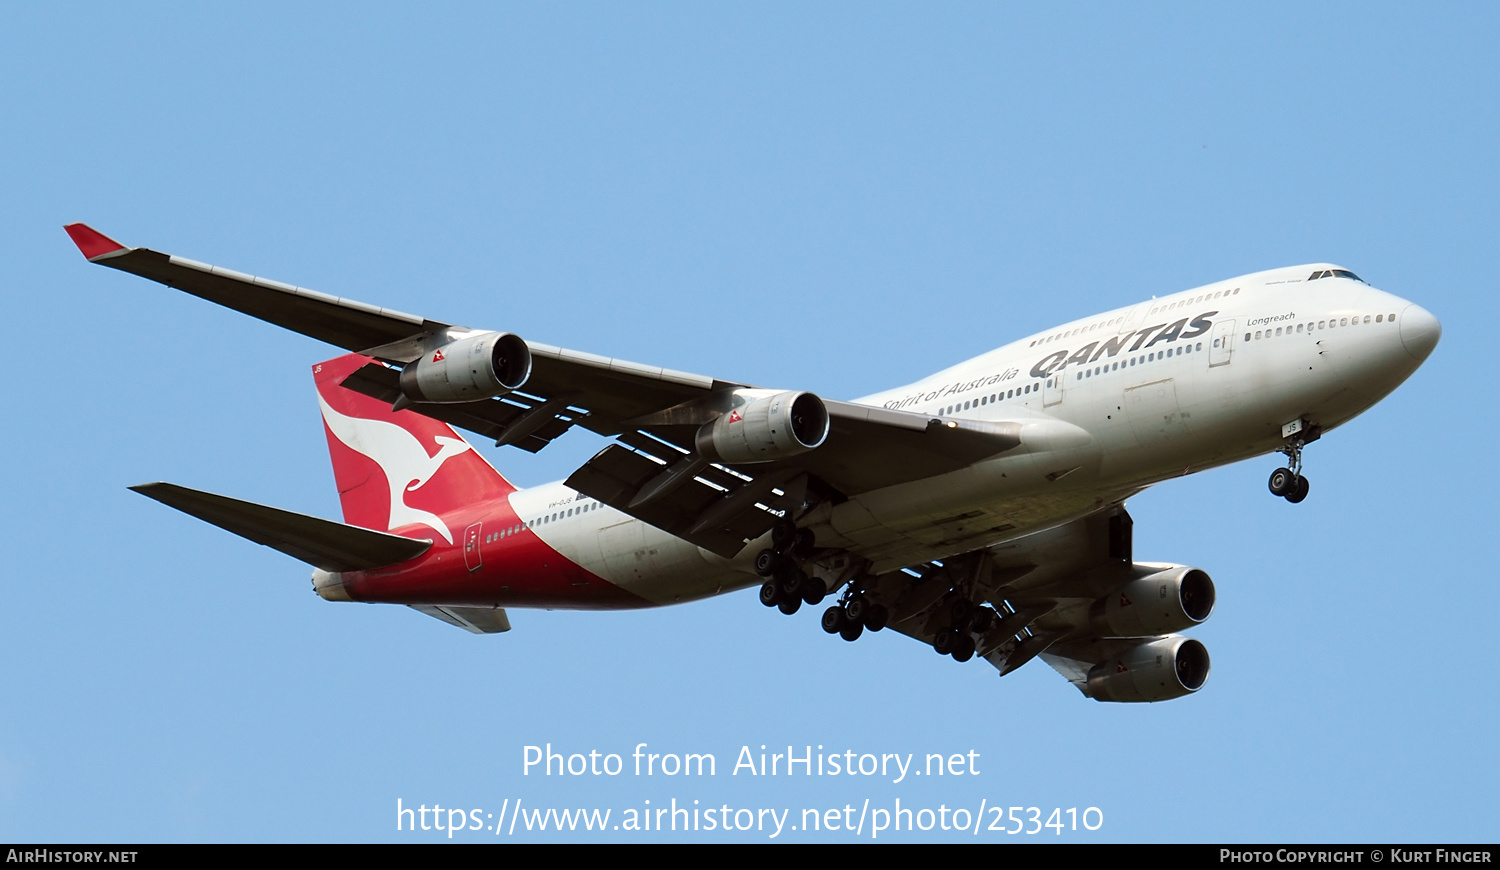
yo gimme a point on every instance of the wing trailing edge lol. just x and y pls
(341, 322)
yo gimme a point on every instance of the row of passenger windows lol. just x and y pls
(1194, 301)
(549, 518)
(1142, 359)
(985, 400)
(1322, 324)
(1082, 329)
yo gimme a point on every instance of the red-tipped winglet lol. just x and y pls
(91, 242)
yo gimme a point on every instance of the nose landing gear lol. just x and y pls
(1288, 483)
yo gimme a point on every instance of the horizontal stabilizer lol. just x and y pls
(321, 543)
(480, 620)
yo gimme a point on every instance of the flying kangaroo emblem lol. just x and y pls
(401, 456)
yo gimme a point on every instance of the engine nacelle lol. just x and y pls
(478, 367)
(1157, 670)
(1171, 598)
(765, 426)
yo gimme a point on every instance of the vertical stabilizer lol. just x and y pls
(398, 471)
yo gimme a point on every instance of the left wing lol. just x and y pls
(714, 462)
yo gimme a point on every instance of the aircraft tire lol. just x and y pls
(833, 619)
(1300, 492)
(791, 579)
(877, 617)
(963, 648)
(770, 593)
(851, 631)
(765, 563)
(1282, 482)
(790, 604)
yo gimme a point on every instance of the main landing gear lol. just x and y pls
(853, 614)
(966, 621)
(787, 585)
(1289, 483)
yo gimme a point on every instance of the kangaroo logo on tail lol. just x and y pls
(403, 459)
(368, 440)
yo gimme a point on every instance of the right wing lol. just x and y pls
(1073, 596)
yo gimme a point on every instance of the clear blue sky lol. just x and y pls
(834, 197)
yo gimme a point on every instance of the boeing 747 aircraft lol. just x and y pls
(980, 510)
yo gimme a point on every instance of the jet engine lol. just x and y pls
(478, 367)
(1158, 670)
(1169, 598)
(765, 427)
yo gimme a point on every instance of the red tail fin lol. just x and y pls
(398, 469)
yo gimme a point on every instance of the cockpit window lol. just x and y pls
(1336, 273)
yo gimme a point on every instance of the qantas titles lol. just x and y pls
(1095, 349)
(1144, 338)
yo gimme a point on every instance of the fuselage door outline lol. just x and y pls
(1223, 344)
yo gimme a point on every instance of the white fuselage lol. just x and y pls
(1108, 405)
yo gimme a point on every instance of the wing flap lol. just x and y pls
(522, 420)
(321, 543)
(870, 448)
(712, 508)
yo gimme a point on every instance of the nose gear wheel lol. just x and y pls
(1288, 483)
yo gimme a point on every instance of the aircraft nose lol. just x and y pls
(1420, 331)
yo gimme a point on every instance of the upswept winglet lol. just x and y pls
(91, 243)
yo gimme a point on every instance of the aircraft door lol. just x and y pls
(1223, 344)
(1052, 388)
(473, 560)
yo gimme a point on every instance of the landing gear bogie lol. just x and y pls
(854, 608)
(790, 578)
(1288, 483)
